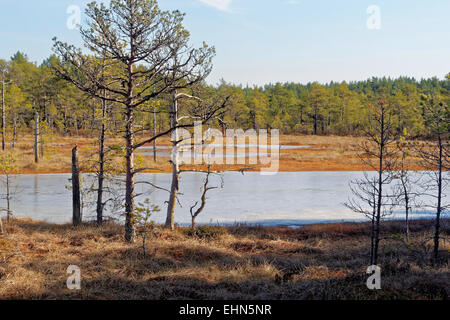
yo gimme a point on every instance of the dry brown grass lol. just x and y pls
(325, 153)
(240, 262)
(58, 158)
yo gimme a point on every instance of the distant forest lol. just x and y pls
(330, 109)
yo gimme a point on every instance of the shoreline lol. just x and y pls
(166, 171)
(313, 154)
(255, 224)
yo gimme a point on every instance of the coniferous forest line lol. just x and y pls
(335, 108)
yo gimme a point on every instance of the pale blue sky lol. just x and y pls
(263, 41)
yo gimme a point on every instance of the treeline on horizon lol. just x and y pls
(335, 108)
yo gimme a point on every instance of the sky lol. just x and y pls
(268, 41)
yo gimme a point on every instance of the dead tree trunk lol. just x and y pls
(195, 214)
(76, 195)
(170, 220)
(36, 137)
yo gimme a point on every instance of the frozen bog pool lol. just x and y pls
(287, 198)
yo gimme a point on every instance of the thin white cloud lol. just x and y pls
(222, 5)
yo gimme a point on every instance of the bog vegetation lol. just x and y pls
(139, 79)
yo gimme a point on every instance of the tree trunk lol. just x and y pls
(406, 215)
(76, 195)
(377, 238)
(3, 112)
(315, 121)
(380, 190)
(130, 227)
(372, 231)
(8, 200)
(101, 160)
(36, 137)
(14, 131)
(437, 224)
(154, 134)
(170, 220)
(130, 230)
(223, 125)
(372, 241)
(43, 132)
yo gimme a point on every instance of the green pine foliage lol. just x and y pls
(312, 108)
